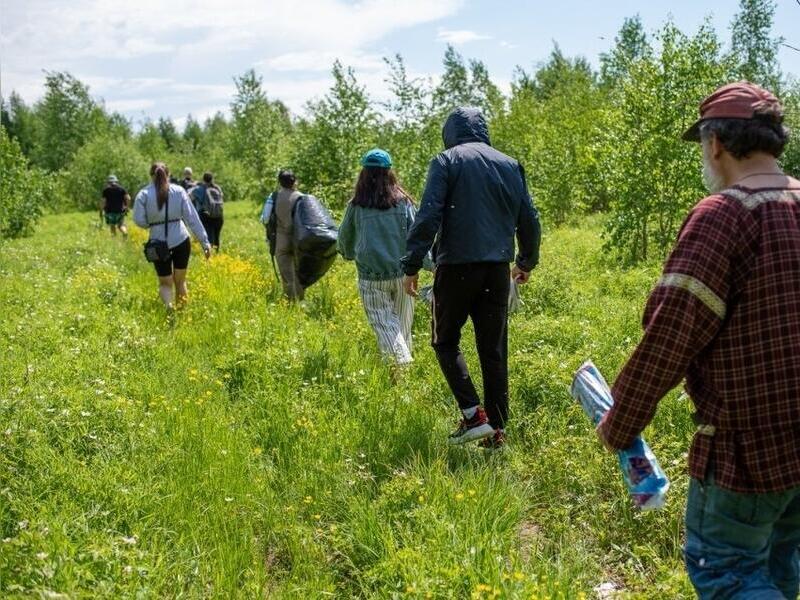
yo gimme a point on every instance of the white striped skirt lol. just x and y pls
(390, 312)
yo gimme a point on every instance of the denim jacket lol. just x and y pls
(376, 239)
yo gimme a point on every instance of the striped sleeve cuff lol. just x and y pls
(698, 289)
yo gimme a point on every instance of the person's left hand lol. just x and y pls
(601, 433)
(410, 283)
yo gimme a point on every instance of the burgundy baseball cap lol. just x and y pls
(740, 100)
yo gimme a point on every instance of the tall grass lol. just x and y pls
(259, 449)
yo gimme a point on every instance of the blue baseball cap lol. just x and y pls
(377, 158)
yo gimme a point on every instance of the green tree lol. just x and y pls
(150, 143)
(259, 131)
(465, 84)
(554, 117)
(412, 133)
(216, 130)
(67, 117)
(20, 123)
(654, 177)
(24, 191)
(340, 128)
(484, 93)
(169, 133)
(559, 71)
(453, 89)
(630, 45)
(753, 48)
(192, 134)
(101, 156)
(791, 158)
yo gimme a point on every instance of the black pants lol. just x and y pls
(478, 291)
(213, 229)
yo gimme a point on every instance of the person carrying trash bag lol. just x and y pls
(475, 201)
(373, 233)
(725, 315)
(280, 227)
(301, 234)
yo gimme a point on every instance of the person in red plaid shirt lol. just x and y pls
(725, 316)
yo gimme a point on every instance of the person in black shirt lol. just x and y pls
(115, 205)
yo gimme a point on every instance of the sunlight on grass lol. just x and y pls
(260, 449)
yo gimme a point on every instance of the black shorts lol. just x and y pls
(179, 259)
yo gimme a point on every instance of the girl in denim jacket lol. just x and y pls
(373, 233)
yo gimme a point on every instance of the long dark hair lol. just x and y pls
(160, 174)
(377, 187)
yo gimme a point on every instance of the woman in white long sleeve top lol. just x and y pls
(162, 201)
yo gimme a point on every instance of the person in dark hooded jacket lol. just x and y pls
(475, 201)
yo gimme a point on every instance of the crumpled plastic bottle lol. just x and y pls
(645, 479)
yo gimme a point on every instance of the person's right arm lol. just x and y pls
(140, 209)
(346, 241)
(411, 216)
(529, 231)
(428, 219)
(684, 313)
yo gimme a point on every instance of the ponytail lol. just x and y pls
(160, 174)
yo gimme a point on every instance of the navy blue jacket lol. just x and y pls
(475, 201)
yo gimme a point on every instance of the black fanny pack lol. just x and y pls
(158, 250)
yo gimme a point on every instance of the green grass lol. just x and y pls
(258, 449)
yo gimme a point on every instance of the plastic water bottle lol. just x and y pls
(645, 479)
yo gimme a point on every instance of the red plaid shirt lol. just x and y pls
(726, 317)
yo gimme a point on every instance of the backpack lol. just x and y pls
(212, 204)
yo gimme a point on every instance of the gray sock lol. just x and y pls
(469, 412)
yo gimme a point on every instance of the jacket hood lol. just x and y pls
(465, 125)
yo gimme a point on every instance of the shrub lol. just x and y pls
(94, 162)
(24, 191)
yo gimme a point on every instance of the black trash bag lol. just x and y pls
(315, 234)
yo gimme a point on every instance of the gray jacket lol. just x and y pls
(147, 214)
(475, 201)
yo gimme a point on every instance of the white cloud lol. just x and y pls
(181, 55)
(123, 106)
(458, 37)
(316, 60)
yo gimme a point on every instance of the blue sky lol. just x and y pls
(173, 57)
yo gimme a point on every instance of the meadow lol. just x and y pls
(253, 448)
